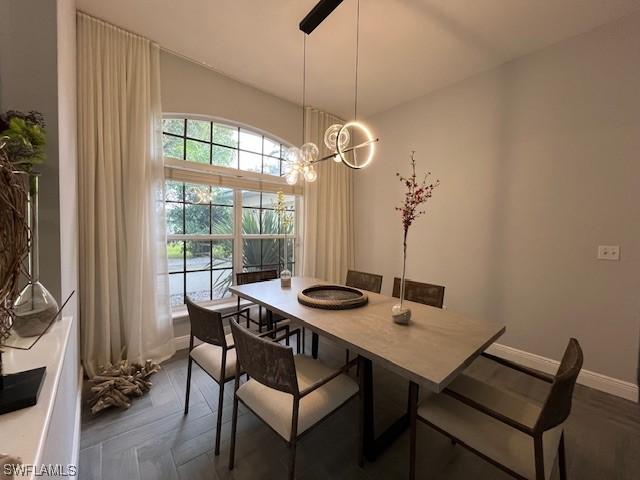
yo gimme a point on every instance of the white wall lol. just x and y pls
(539, 165)
(28, 81)
(191, 88)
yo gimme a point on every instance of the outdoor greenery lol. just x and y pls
(223, 155)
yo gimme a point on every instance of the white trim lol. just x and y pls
(75, 460)
(598, 381)
(182, 343)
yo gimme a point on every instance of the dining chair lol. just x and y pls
(291, 394)
(507, 430)
(243, 278)
(364, 281)
(371, 282)
(419, 292)
(215, 355)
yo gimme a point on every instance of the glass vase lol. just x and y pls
(400, 313)
(285, 275)
(35, 307)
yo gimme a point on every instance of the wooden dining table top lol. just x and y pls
(431, 351)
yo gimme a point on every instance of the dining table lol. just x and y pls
(429, 352)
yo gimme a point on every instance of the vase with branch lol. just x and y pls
(285, 217)
(417, 193)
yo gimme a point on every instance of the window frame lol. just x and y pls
(228, 177)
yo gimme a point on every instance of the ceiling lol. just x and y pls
(407, 47)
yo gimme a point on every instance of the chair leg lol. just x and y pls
(234, 422)
(413, 418)
(298, 340)
(186, 399)
(315, 340)
(292, 459)
(219, 422)
(562, 459)
(360, 425)
(304, 339)
(346, 357)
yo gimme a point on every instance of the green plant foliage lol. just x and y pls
(24, 138)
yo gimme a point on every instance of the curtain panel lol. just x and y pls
(124, 293)
(328, 250)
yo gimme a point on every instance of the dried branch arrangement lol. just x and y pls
(116, 385)
(14, 237)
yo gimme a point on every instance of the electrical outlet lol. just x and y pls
(609, 252)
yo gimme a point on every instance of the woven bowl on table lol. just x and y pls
(332, 297)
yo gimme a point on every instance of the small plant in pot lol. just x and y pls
(416, 194)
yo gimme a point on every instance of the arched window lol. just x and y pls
(220, 195)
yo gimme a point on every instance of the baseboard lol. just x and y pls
(613, 386)
(182, 342)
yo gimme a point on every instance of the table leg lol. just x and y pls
(270, 321)
(373, 446)
(314, 344)
(413, 416)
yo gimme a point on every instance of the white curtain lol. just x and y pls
(328, 209)
(124, 293)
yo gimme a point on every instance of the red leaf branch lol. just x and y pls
(416, 195)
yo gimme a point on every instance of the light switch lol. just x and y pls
(609, 252)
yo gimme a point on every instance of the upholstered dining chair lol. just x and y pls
(509, 431)
(419, 292)
(291, 394)
(364, 281)
(215, 355)
(243, 278)
(370, 282)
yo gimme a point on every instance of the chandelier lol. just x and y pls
(351, 143)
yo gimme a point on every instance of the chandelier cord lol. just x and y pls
(304, 84)
(355, 103)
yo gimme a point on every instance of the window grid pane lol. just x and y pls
(203, 268)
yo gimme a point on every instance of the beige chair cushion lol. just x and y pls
(487, 435)
(276, 407)
(209, 357)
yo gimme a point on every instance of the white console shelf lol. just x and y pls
(48, 432)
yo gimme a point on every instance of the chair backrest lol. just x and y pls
(426, 293)
(206, 324)
(266, 361)
(557, 407)
(364, 281)
(243, 278)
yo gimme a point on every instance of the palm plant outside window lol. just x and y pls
(215, 230)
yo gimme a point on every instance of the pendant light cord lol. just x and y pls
(355, 103)
(304, 83)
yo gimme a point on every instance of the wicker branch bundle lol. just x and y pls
(14, 238)
(115, 385)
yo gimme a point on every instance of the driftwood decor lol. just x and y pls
(14, 237)
(116, 385)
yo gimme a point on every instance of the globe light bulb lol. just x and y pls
(336, 158)
(292, 178)
(331, 135)
(311, 175)
(293, 155)
(305, 168)
(309, 152)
